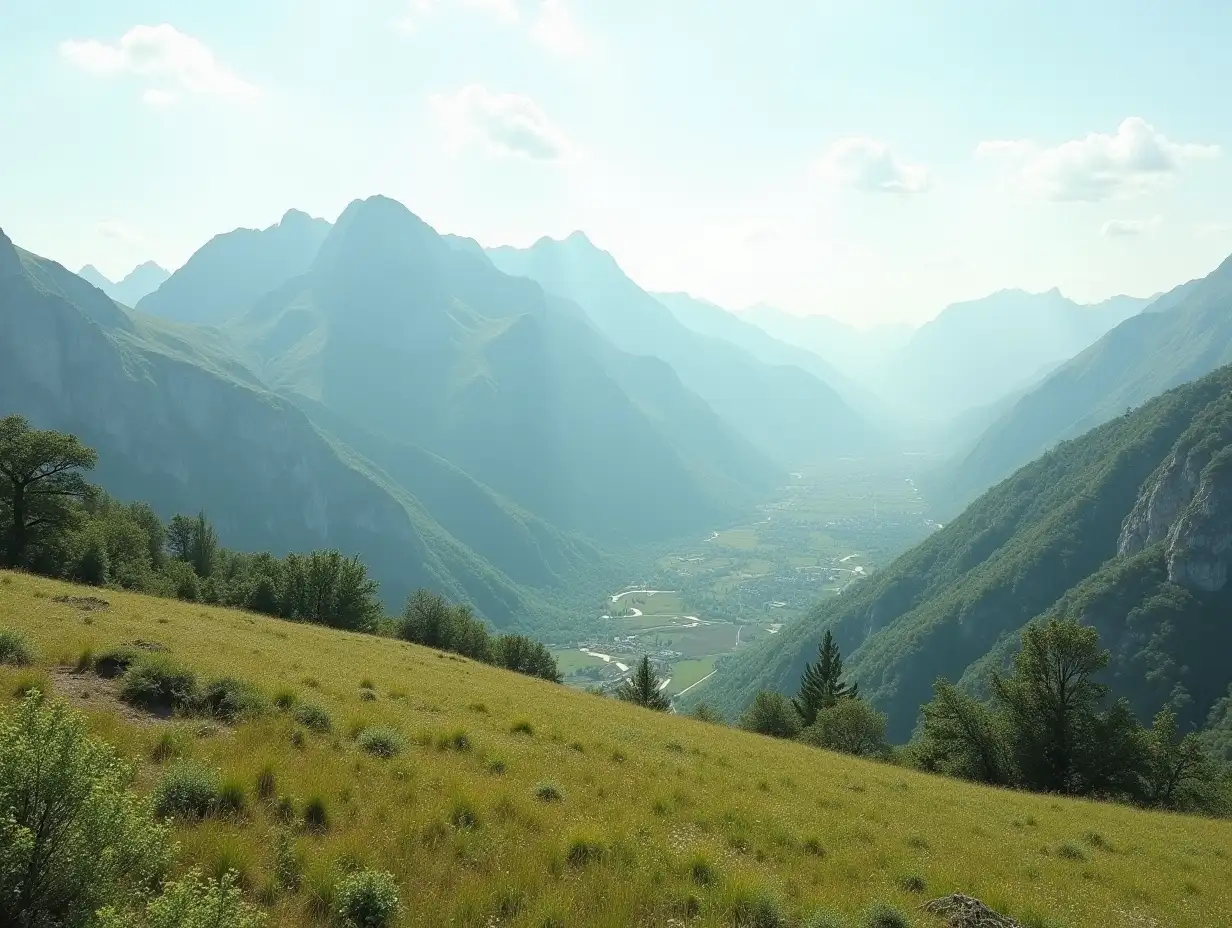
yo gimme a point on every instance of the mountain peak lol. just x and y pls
(10, 263)
(294, 217)
(93, 276)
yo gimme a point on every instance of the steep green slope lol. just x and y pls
(789, 413)
(231, 271)
(426, 344)
(1126, 528)
(1183, 335)
(183, 435)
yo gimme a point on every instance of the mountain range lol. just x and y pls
(141, 280)
(789, 413)
(1181, 336)
(1127, 528)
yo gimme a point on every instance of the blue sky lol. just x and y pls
(873, 160)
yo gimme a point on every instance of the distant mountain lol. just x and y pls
(141, 280)
(1128, 529)
(420, 345)
(175, 427)
(787, 412)
(853, 351)
(1183, 335)
(227, 274)
(711, 319)
(974, 353)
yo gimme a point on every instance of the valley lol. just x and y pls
(699, 602)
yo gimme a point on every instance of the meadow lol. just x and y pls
(510, 801)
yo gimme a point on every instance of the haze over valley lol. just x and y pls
(450, 474)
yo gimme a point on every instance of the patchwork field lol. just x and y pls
(514, 802)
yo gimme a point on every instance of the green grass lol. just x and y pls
(686, 673)
(644, 797)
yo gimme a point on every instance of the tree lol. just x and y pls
(644, 688)
(963, 737)
(771, 714)
(851, 726)
(425, 619)
(39, 480)
(1179, 772)
(822, 685)
(1051, 702)
(527, 656)
(338, 592)
(194, 541)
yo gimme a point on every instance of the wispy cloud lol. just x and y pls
(506, 124)
(1100, 166)
(551, 23)
(867, 165)
(120, 232)
(1121, 228)
(176, 62)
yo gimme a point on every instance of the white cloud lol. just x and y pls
(553, 26)
(556, 30)
(160, 53)
(507, 124)
(1120, 228)
(118, 231)
(1100, 166)
(868, 165)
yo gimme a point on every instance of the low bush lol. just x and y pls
(757, 909)
(366, 899)
(549, 792)
(188, 790)
(381, 742)
(156, 682)
(313, 717)
(522, 727)
(886, 916)
(228, 699)
(14, 649)
(316, 814)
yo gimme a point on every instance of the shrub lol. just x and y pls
(583, 851)
(171, 743)
(463, 815)
(850, 726)
(316, 814)
(912, 883)
(757, 910)
(194, 902)
(115, 661)
(522, 727)
(367, 696)
(1071, 851)
(456, 740)
(313, 717)
(771, 714)
(381, 742)
(496, 766)
(232, 798)
(704, 712)
(188, 790)
(549, 792)
(886, 916)
(14, 649)
(73, 839)
(288, 863)
(366, 899)
(227, 699)
(285, 699)
(703, 872)
(156, 682)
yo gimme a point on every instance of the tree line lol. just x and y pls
(1048, 726)
(53, 522)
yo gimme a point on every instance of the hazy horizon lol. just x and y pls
(815, 157)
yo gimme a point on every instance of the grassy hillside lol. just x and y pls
(657, 819)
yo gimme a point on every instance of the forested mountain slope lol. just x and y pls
(174, 427)
(1128, 528)
(1183, 335)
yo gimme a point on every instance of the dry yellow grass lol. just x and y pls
(651, 793)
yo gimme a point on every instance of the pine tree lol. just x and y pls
(643, 688)
(821, 684)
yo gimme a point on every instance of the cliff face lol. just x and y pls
(1187, 504)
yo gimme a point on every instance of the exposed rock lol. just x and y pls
(961, 911)
(1161, 501)
(1200, 542)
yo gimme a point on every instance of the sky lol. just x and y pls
(872, 161)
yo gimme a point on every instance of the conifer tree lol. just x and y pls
(821, 684)
(643, 688)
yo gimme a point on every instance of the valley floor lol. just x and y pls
(650, 819)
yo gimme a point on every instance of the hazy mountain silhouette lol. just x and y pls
(418, 341)
(141, 280)
(1181, 336)
(227, 274)
(785, 411)
(851, 350)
